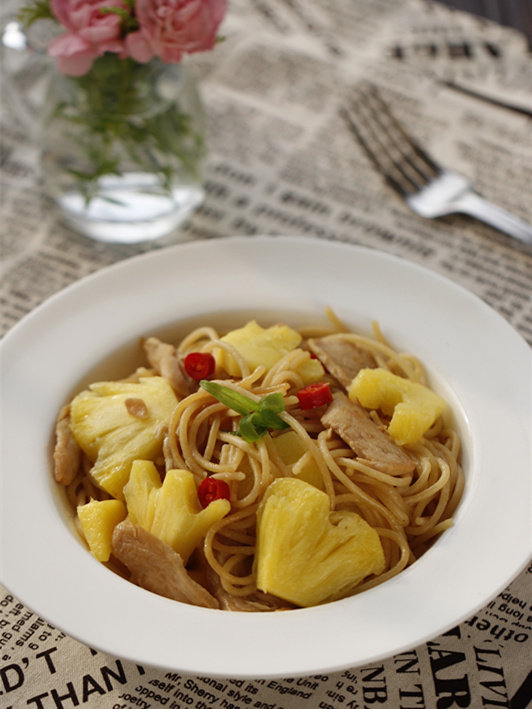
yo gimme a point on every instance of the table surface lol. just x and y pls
(282, 162)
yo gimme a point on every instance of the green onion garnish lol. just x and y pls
(257, 416)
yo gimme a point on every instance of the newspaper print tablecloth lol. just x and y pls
(282, 161)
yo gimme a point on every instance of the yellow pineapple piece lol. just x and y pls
(306, 554)
(179, 519)
(98, 520)
(311, 370)
(291, 450)
(171, 510)
(412, 406)
(117, 422)
(140, 492)
(258, 345)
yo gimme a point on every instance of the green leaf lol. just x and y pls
(37, 10)
(249, 430)
(257, 416)
(272, 402)
(232, 399)
(270, 419)
(116, 116)
(129, 23)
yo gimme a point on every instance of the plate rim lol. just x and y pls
(103, 277)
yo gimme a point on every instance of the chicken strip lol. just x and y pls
(164, 359)
(155, 566)
(353, 424)
(341, 358)
(67, 453)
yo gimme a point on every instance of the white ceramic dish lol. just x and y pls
(479, 362)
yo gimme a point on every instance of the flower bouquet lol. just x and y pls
(123, 130)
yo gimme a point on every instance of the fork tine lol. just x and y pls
(405, 165)
(401, 137)
(378, 158)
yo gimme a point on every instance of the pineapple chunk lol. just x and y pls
(413, 406)
(311, 370)
(140, 493)
(179, 519)
(258, 345)
(291, 450)
(98, 520)
(171, 510)
(307, 555)
(112, 437)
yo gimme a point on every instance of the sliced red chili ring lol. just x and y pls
(314, 395)
(199, 365)
(211, 489)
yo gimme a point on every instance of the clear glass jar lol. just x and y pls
(123, 148)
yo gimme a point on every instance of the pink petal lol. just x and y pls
(76, 65)
(172, 55)
(138, 47)
(115, 45)
(60, 9)
(67, 45)
(101, 32)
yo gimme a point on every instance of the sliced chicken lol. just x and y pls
(164, 359)
(256, 602)
(353, 424)
(67, 453)
(136, 407)
(342, 358)
(155, 566)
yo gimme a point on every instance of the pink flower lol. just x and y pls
(170, 28)
(90, 33)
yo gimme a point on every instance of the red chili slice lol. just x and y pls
(199, 365)
(211, 489)
(314, 395)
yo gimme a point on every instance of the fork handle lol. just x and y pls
(478, 207)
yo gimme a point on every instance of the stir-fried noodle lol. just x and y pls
(407, 509)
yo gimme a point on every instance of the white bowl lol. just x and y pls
(474, 357)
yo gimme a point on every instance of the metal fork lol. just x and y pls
(429, 189)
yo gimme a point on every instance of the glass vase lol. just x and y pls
(123, 148)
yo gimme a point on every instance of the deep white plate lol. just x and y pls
(479, 363)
